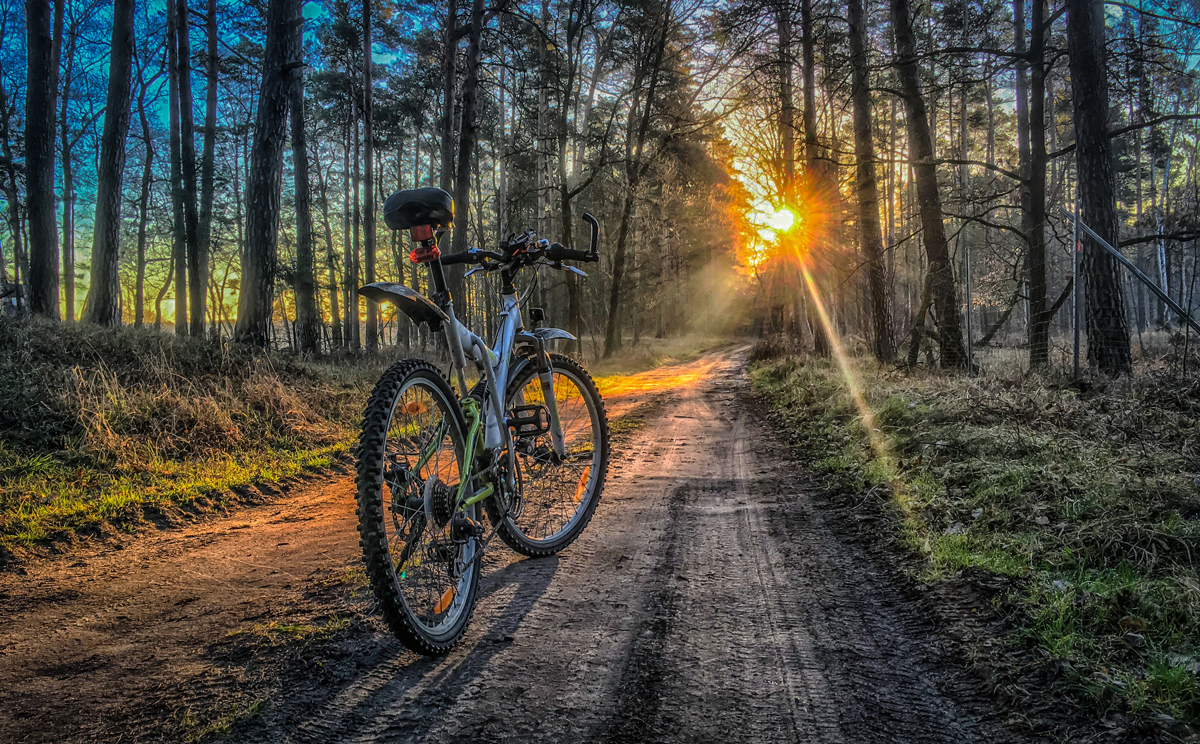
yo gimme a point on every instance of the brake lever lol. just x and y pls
(574, 270)
(473, 271)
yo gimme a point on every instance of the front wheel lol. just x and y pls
(422, 565)
(556, 497)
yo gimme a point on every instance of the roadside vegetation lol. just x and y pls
(109, 426)
(1083, 499)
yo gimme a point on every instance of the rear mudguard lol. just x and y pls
(411, 302)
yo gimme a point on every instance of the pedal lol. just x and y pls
(463, 528)
(529, 421)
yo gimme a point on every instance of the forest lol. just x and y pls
(912, 160)
(882, 391)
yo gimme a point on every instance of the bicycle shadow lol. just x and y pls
(379, 688)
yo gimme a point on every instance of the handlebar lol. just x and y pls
(559, 252)
(524, 247)
(593, 247)
(470, 256)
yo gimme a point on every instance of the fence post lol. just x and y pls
(1076, 290)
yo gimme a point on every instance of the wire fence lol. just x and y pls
(1123, 320)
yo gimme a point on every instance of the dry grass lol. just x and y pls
(96, 426)
(1088, 493)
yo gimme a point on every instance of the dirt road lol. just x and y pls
(712, 598)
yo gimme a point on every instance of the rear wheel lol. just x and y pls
(423, 570)
(556, 497)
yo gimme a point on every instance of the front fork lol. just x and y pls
(546, 378)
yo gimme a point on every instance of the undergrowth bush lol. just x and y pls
(96, 424)
(1087, 495)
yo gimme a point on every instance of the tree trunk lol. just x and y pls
(178, 232)
(197, 273)
(369, 189)
(40, 92)
(868, 194)
(817, 173)
(162, 293)
(633, 169)
(449, 73)
(20, 265)
(1039, 329)
(68, 194)
(467, 129)
(1107, 330)
(350, 302)
(103, 303)
(787, 110)
(335, 315)
(944, 296)
(280, 63)
(208, 158)
(353, 299)
(139, 312)
(308, 321)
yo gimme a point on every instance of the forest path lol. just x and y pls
(710, 599)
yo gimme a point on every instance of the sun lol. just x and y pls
(782, 220)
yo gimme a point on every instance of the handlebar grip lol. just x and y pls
(593, 254)
(559, 252)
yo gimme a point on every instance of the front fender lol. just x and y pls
(549, 334)
(411, 302)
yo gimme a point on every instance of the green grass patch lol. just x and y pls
(99, 425)
(196, 730)
(1089, 496)
(276, 634)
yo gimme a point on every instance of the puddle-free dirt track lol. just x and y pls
(710, 599)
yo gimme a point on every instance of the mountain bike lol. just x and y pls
(527, 446)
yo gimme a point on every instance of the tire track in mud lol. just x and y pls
(646, 668)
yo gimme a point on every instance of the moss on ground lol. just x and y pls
(1090, 495)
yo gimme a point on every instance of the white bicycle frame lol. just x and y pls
(495, 365)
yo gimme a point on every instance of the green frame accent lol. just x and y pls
(473, 447)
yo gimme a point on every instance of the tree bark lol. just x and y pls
(103, 303)
(263, 185)
(1107, 328)
(369, 188)
(197, 263)
(178, 232)
(353, 299)
(20, 263)
(787, 109)
(449, 73)
(817, 173)
(162, 293)
(208, 157)
(40, 92)
(1039, 328)
(467, 128)
(68, 189)
(335, 315)
(308, 322)
(943, 293)
(868, 193)
(139, 312)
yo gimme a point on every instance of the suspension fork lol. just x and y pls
(545, 373)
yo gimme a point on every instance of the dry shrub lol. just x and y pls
(123, 396)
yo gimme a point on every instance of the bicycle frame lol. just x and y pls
(494, 363)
